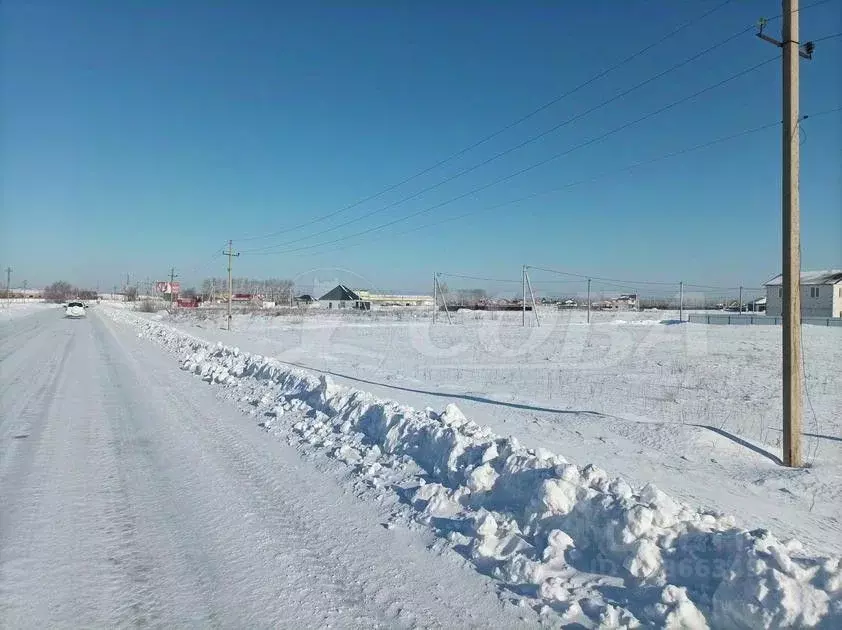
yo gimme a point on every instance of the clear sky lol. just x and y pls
(142, 134)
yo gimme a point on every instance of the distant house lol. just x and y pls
(627, 300)
(343, 297)
(821, 294)
(305, 299)
(756, 306)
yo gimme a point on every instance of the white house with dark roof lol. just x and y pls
(821, 294)
(343, 297)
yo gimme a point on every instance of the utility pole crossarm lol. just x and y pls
(804, 50)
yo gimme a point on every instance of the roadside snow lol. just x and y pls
(593, 549)
(15, 309)
(695, 409)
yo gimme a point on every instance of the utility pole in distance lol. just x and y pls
(791, 50)
(173, 276)
(230, 253)
(681, 301)
(589, 300)
(9, 284)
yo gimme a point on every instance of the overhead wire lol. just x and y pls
(489, 137)
(630, 283)
(447, 274)
(511, 149)
(533, 166)
(587, 277)
(826, 37)
(513, 124)
(603, 175)
(529, 115)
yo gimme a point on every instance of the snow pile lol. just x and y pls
(589, 548)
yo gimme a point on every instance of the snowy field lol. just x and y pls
(692, 407)
(589, 468)
(12, 309)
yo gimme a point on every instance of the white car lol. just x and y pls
(75, 309)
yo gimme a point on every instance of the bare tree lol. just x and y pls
(273, 289)
(58, 291)
(470, 297)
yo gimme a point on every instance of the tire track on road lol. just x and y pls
(164, 563)
(17, 333)
(294, 536)
(67, 556)
(274, 541)
(24, 420)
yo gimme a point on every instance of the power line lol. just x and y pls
(581, 278)
(531, 114)
(801, 9)
(826, 37)
(447, 274)
(629, 283)
(624, 169)
(478, 278)
(804, 8)
(586, 277)
(502, 130)
(603, 175)
(513, 148)
(532, 166)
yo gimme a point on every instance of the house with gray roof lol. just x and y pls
(821, 294)
(343, 297)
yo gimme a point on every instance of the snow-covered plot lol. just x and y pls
(624, 364)
(18, 308)
(695, 409)
(587, 547)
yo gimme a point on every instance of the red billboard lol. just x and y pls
(168, 287)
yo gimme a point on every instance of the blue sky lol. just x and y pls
(141, 135)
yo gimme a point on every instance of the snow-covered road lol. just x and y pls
(132, 496)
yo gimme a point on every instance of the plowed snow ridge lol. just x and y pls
(591, 548)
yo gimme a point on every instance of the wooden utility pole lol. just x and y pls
(532, 295)
(791, 50)
(791, 241)
(173, 298)
(9, 283)
(230, 253)
(523, 302)
(589, 300)
(681, 301)
(435, 297)
(741, 300)
(443, 299)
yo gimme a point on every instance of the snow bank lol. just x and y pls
(587, 547)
